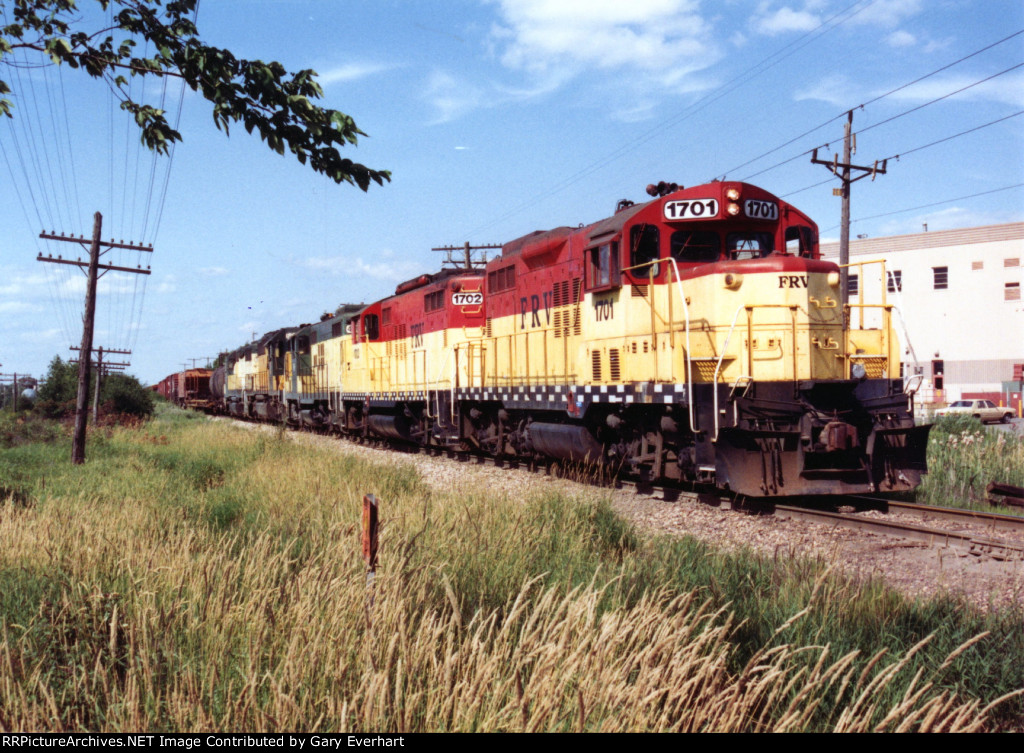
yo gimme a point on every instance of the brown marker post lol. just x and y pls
(370, 529)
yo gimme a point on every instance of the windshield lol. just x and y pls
(961, 404)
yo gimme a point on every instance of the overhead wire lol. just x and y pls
(45, 158)
(871, 101)
(728, 87)
(931, 204)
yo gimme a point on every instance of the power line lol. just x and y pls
(866, 104)
(939, 99)
(943, 68)
(932, 204)
(827, 145)
(901, 155)
(713, 96)
(956, 135)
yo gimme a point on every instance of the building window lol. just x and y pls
(976, 265)
(852, 284)
(1011, 292)
(1011, 262)
(895, 282)
(940, 277)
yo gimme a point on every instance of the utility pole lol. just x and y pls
(93, 268)
(14, 388)
(842, 170)
(102, 370)
(468, 261)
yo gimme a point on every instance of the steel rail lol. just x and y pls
(993, 520)
(1000, 550)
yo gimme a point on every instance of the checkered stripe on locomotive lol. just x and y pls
(545, 396)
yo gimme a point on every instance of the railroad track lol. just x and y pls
(968, 541)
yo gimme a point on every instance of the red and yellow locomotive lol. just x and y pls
(697, 336)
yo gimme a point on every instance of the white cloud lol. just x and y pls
(383, 268)
(888, 13)
(901, 38)
(351, 72)
(783, 20)
(214, 271)
(451, 97)
(1007, 89)
(836, 90)
(653, 35)
(168, 284)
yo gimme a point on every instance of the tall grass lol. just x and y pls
(196, 577)
(964, 457)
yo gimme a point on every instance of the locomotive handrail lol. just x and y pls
(718, 367)
(689, 362)
(437, 382)
(686, 320)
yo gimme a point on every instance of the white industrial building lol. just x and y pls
(958, 295)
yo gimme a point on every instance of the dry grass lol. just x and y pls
(198, 578)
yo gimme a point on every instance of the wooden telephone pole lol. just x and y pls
(469, 260)
(842, 170)
(103, 370)
(93, 268)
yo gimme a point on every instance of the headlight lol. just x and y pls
(833, 279)
(732, 194)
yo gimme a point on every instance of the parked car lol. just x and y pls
(986, 410)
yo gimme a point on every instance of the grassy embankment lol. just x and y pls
(193, 576)
(964, 457)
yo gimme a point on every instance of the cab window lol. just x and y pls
(603, 266)
(748, 245)
(371, 326)
(799, 240)
(643, 246)
(695, 246)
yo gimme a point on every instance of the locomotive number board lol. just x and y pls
(691, 209)
(761, 210)
(467, 299)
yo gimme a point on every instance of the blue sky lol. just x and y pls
(496, 118)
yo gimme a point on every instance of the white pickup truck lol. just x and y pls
(986, 410)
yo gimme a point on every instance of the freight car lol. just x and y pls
(697, 336)
(188, 389)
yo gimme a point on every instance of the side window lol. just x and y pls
(748, 245)
(643, 246)
(603, 266)
(303, 365)
(371, 326)
(695, 246)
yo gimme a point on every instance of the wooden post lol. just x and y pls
(88, 320)
(370, 528)
(84, 363)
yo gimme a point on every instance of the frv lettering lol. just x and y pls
(532, 305)
(792, 281)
